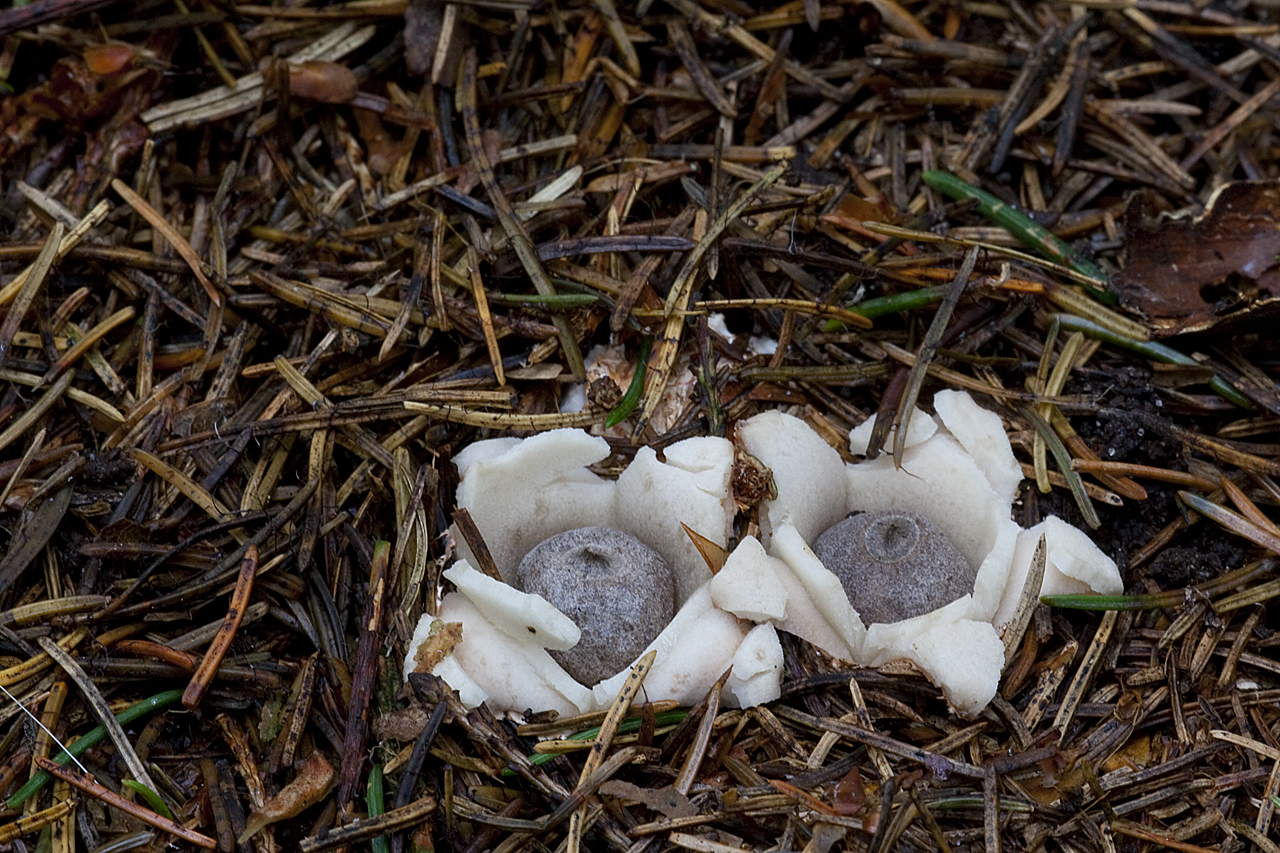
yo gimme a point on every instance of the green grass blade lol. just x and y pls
(634, 391)
(1031, 233)
(1154, 351)
(92, 738)
(666, 718)
(1077, 601)
(153, 799)
(376, 802)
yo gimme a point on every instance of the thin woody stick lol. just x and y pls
(608, 728)
(230, 624)
(93, 789)
(36, 821)
(114, 730)
(506, 214)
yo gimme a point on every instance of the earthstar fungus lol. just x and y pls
(520, 492)
(894, 564)
(958, 473)
(617, 590)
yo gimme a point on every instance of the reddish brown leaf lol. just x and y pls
(108, 58)
(849, 796)
(1190, 273)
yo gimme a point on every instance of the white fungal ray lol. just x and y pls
(520, 491)
(824, 596)
(748, 586)
(807, 471)
(513, 674)
(964, 657)
(1073, 565)
(654, 498)
(981, 433)
(762, 587)
(518, 614)
(694, 650)
(918, 429)
(757, 668)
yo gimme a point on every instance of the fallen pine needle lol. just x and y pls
(230, 624)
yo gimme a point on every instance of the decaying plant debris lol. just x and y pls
(266, 269)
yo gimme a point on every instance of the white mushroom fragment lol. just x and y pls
(957, 480)
(533, 497)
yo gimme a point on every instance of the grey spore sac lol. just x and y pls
(619, 591)
(894, 564)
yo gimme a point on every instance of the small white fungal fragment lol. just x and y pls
(748, 586)
(757, 668)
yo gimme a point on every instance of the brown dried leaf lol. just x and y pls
(313, 781)
(108, 58)
(383, 149)
(73, 94)
(852, 211)
(850, 796)
(667, 801)
(713, 554)
(1135, 755)
(32, 536)
(1187, 274)
(327, 82)
(441, 642)
(578, 52)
